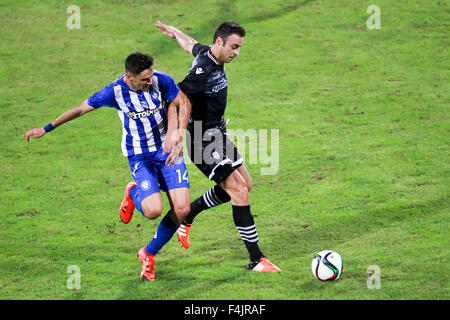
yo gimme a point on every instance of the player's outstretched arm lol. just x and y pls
(70, 114)
(185, 41)
(178, 115)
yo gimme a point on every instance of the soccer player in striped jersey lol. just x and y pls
(154, 114)
(206, 86)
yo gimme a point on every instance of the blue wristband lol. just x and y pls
(48, 127)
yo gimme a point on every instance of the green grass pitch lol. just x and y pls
(363, 150)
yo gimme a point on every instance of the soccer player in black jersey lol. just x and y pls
(209, 147)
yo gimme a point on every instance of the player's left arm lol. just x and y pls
(178, 115)
(185, 41)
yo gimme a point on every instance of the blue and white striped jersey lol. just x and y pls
(143, 113)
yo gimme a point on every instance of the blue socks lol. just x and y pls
(165, 231)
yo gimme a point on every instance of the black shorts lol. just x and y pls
(213, 153)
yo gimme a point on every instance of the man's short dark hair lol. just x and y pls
(138, 62)
(228, 28)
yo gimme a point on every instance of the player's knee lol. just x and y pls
(238, 192)
(242, 188)
(181, 210)
(151, 214)
(241, 193)
(151, 211)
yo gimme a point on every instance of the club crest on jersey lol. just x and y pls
(143, 114)
(144, 104)
(145, 185)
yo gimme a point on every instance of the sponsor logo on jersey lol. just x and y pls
(220, 86)
(143, 114)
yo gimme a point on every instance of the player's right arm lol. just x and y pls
(70, 114)
(185, 41)
(102, 98)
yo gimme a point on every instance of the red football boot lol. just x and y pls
(183, 235)
(127, 206)
(148, 264)
(264, 265)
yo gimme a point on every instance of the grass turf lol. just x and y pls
(363, 150)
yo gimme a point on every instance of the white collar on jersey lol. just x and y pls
(211, 56)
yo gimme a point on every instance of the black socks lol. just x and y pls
(214, 197)
(245, 224)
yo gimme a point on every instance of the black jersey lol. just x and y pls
(206, 86)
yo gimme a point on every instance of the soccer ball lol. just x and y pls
(327, 265)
